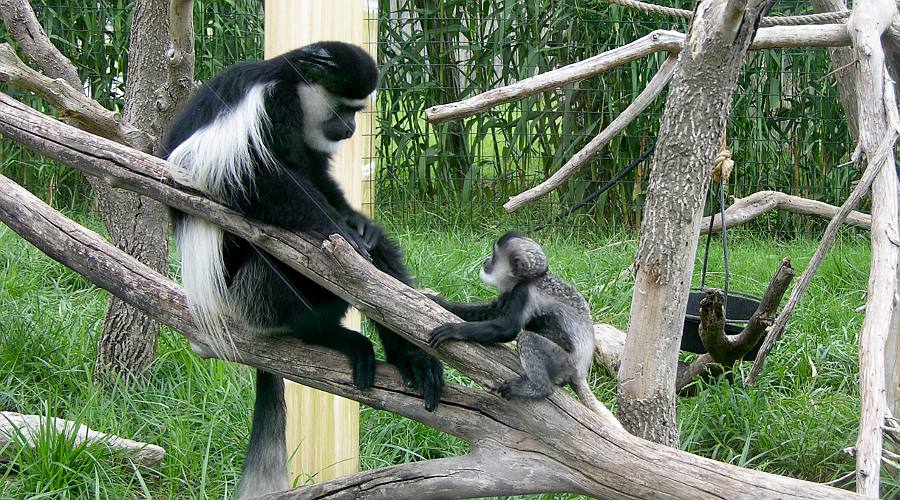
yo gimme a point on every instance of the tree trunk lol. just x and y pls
(137, 224)
(696, 112)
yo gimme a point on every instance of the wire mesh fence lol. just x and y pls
(787, 130)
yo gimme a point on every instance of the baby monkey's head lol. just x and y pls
(516, 258)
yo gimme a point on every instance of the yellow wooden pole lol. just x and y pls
(323, 429)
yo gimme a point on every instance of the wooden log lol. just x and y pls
(878, 116)
(17, 430)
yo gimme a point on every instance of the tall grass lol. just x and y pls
(786, 129)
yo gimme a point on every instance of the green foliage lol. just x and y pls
(786, 130)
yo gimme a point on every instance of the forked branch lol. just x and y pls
(825, 35)
(744, 210)
(581, 158)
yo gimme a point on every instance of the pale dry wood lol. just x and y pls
(826, 35)
(698, 104)
(725, 350)
(744, 210)
(878, 115)
(71, 102)
(17, 431)
(609, 343)
(577, 442)
(582, 157)
(862, 187)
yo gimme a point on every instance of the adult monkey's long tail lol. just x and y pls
(265, 469)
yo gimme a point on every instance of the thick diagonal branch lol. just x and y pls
(601, 460)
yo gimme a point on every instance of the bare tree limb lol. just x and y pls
(862, 187)
(70, 101)
(581, 158)
(877, 106)
(746, 209)
(22, 24)
(825, 35)
(487, 471)
(601, 460)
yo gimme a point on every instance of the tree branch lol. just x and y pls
(487, 471)
(825, 35)
(25, 29)
(877, 106)
(581, 158)
(746, 209)
(71, 102)
(862, 187)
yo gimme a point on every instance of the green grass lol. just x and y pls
(796, 421)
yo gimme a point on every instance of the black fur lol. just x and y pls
(299, 194)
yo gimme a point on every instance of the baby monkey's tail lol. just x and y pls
(586, 395)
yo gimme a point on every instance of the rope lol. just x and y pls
(823, 18)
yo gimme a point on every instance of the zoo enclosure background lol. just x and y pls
(787, 129)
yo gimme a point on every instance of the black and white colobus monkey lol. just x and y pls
(556, 343)
(258, 138)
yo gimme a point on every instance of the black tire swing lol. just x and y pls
(739, 306)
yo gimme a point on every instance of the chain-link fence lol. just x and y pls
(787, 130)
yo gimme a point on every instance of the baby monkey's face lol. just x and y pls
(497, 270)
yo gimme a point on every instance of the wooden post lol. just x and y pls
(323, 429)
